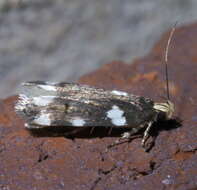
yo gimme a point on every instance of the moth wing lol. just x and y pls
(41, 111)
(72, 90)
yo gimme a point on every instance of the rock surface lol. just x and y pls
(46, 162)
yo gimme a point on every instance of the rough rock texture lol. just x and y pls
(45, 162)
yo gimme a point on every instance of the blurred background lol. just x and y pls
(60, 40)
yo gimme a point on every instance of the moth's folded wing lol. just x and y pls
(71, 90)
(61, 111)
(64, 111)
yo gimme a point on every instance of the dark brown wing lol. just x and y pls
(66, 104)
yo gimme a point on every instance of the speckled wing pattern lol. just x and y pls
(69, 104)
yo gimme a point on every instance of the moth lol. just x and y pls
(45, 104)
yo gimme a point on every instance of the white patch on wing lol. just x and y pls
(43, 100)
(43, 119)
(48, 87)
(29, 126)
(116, 116)
(119, 93)
(78, 122)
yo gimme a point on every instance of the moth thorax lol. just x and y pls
(167, 108)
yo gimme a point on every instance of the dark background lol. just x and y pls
(60, 40)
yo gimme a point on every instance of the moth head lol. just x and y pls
(166, 108)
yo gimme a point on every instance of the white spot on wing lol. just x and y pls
(48, 87)
(119, 93)
(116, 116)
(78, 122)
(43, 119)
(43, 100)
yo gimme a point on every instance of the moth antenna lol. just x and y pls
(166, 59)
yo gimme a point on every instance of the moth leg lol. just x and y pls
(146, 133)
(91, 130)
(110, 130)
(124, 137)
(74, 132)
(127, 135)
